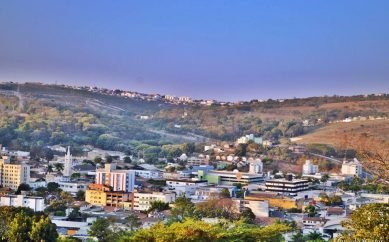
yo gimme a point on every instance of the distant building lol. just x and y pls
(147, 174)
(207, 192)
(352, 168)
(185, 187)
(12, 175)
(142, 201)
(314, 221)
(309, 168)
(72, 187)
(230, 177)
(35, 203)
(288, 185)
(250, 137)
(255, 166)
(119, 180)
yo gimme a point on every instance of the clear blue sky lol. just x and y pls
(227, 50)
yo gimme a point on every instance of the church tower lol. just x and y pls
(67, 171)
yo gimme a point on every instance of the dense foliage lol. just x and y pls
(22, 224)
(194, 230)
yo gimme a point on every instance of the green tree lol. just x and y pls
(313, 236)
(127, 159)
(183, 208)
(58, 167)
(324, 178)
(369, 222)
(298, 237)
(225, 193)
(43, 230)
(101, 229)
(247, 215)
(52, 187)
(97, 160)
(158, 206)
(23, 187)
(310, 210)
(133, 221)
(19, 228)
(80, 195)
(50, 168)
(241, 150)
(75, 175)
(108, 159)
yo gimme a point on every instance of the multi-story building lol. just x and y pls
(352, 168)
(287, 185)
(12, 175)
(230, 177)
(148, 174)
(309, 168)
(102, 195)
(185, 187)
(35, 203)
(142, 201)
(119, 180)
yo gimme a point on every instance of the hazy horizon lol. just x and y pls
(223, 50)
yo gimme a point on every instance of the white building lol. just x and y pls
(309, 168)
(255, 166)
(207, 192)
(148, 174)
(35, 203)
(185, 187)
(352, 168)
(72, 187)
(68, 163)
(142, 201)
(119, 180)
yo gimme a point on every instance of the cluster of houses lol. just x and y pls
(114, 190)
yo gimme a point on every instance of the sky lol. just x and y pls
(224, 50)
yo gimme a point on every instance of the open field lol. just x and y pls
(332, 134)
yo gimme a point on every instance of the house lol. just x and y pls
(314, 221)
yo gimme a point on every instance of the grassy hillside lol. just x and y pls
(332, 134)
(34, 114)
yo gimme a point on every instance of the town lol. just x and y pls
(220, 182)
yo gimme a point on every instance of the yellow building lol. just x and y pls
(12, 175)
(275, 200)
(102, 195)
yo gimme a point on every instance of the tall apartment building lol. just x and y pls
(12, 175)
(119, 180)
(309, 168)
(352, 168)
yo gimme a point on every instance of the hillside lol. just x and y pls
(332, 133)
(34, 114)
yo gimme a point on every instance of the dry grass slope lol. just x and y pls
(332, 134)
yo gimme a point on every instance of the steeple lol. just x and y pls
(67, 171)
